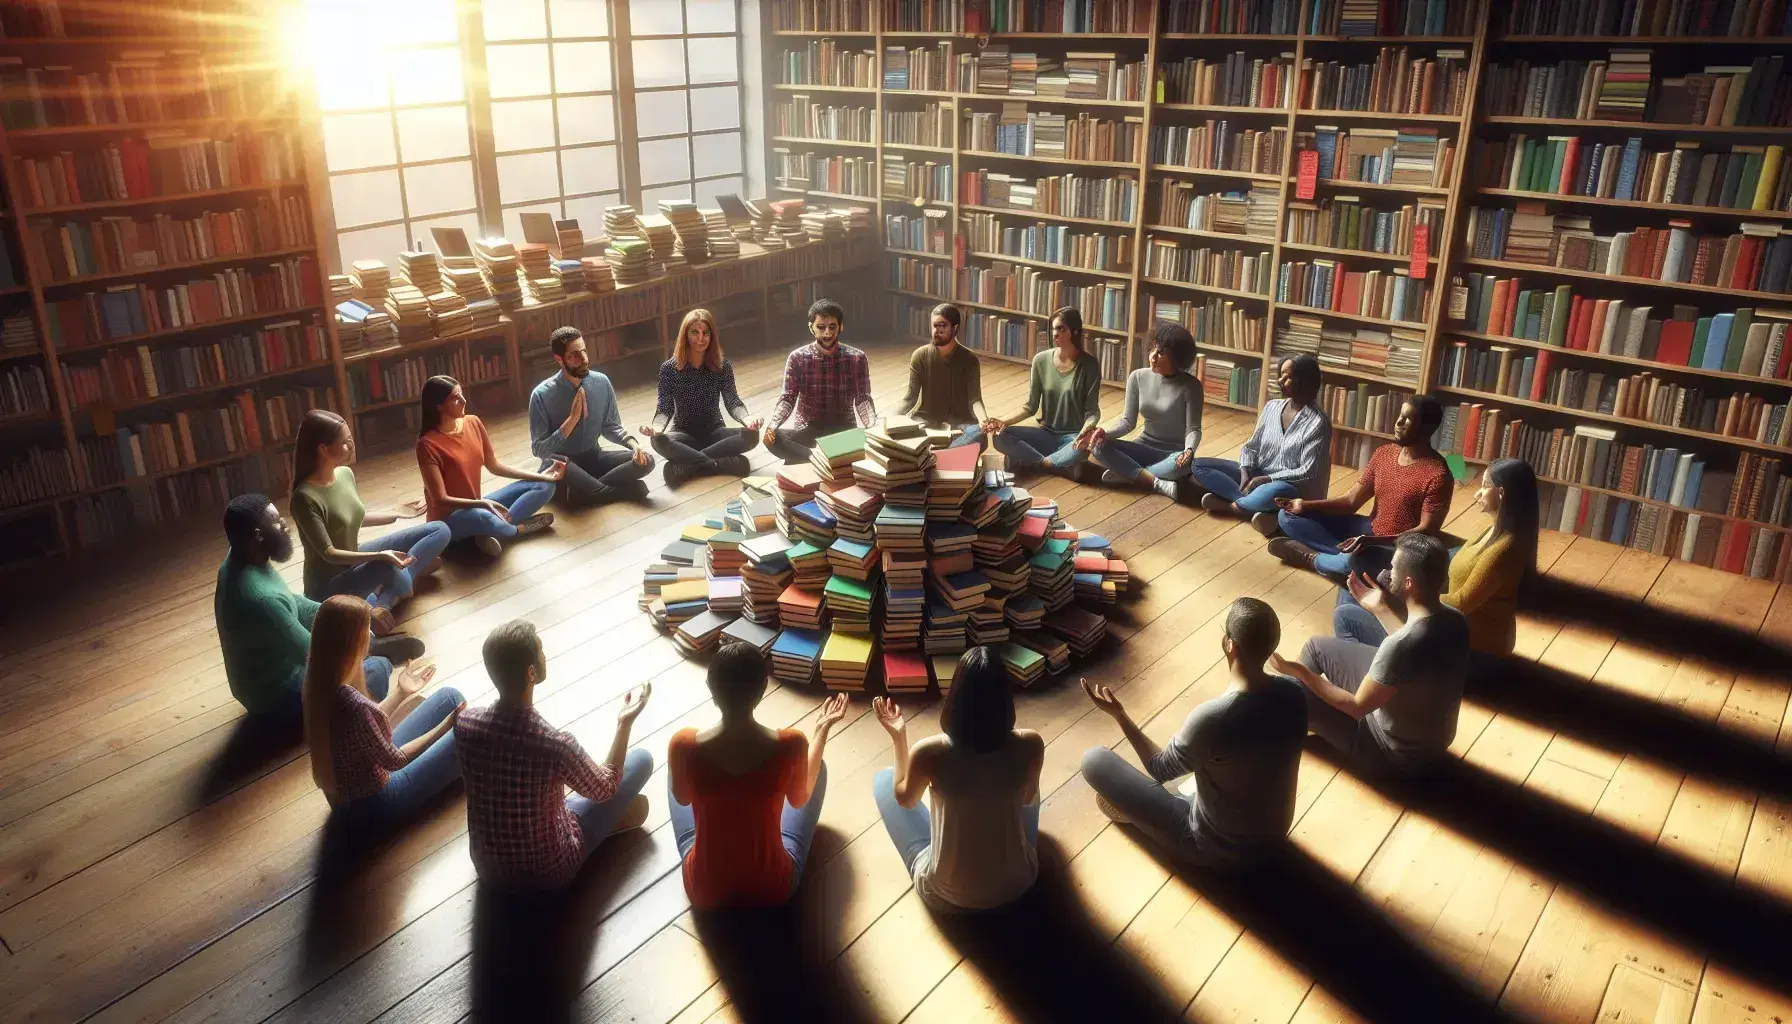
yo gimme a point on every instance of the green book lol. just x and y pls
(1751, 180)
(840, 445)
(1018, 655)
(1562, 304)
(840, 586)
(1699, 334)
(1553, 176)
(802, 549)
(1738, 339)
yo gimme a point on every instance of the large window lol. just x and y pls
(472, 112)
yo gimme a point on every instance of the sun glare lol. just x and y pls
(353, 49)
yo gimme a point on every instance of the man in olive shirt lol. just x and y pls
(945, 382)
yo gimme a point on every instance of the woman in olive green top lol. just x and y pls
(328, 513)
(1064, 390)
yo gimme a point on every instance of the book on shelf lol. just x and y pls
(1348, 222)
(1739, 177)
(34, 473)
(1397, 81)
(1391, 353)
(123, 245)
(1064, 16)
(1408, 155)
(801, 117)
(820, 16)
(1231, 17)
(1362, 406)
(828, 62)
(916, 181)
(927, 230)
(1390, 18)
(1228, 380)
(133, 87)
(1250, 212)
(166, 164)
(1173, 259)
(1113, 199)
(1390, 294)
(1048, 243)
(125, 311)
(1737, 18)
(25, 391)
(1219, 144)
(995, 71)
(1223, 323)
(146, 373)
(1018, 131)
(1029, 289)
(1236, 80)
(1622, 88)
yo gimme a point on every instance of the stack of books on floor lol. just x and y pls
(661, 574)
(1025, 611)
(943, 667)
(810, 562)
(954, 474)
(898, 458)
(1052, 574)
(725, 554)
(680, 602)
(849, 604)
(701, 634)
(794, 654)
(833, 456)
(726, 595)
(1055, 651)
(855, 510)
(901, 530)
(853, 559)
(904, 609)
(801, 608)
(752, 634)
(765, 575)
(1024, 665)
(1100, 578)
(810, 522)
(1082, 629)
(904, 672)
(987, 624)
(845, 661)
(945, 629)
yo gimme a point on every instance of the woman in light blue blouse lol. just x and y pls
(1288, 455)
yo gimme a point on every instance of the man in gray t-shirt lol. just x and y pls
(1243, 747)
(1396, 703)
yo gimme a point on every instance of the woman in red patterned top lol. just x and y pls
(377, 762)
(1411, 485)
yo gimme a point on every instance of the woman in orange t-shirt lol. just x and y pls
(745, 798)
(452, 450)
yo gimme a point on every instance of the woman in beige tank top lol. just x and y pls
(976, 849)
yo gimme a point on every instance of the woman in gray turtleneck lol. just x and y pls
(1169, 398)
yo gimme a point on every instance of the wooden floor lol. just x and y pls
(1610, 843)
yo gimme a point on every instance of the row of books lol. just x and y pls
(1235, 80)
(1395, 82)
(943, 16)
(985, 16)
(35, 474)
(246, 423)
(1218, 144)
(1362, 406)
(1231, 17)
(1390, 353)
(1391, 294)
(144, 373)
(1661, 18)
(111, 514)
(138, 87)
(1111, 354)
(1169, 259)
(1251, 212)
(1221, 323)
(129, 310)
(1113, 199)
(1746, 340)
(24, 391)
(120, 245)
(1021, 132)
(1640, 396)
(1028, 289)
(1346, 222)
(929, 126)
(1390, 18)
(916, 181)
(380, 382)
(923, 231)
(829, 62)
(801, 117)
(929, 277)
(1756, 258)
(1583, 89)
(1081, 76)
(1228, 380)
(1015, 337)
(985, 233)
(924, 68)
(821, 16)
(159, 164)
(842, 175)
(1743, 177)
(1407, 155)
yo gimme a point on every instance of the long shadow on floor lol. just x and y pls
(768, 967)
(1734, 924)
(1322, 925)
(255, 747)
(1048, 961)
(1656, 628)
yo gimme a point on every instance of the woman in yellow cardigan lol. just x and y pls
(1486, 575)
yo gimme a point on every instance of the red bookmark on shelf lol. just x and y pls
(1306, 175)
(1421, 250)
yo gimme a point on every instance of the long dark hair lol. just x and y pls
(1518, 514)
(435, 391)
(319, 427)
(979, 708)
(1072, 319)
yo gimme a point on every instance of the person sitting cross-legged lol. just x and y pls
(945, 383)
(453, 454)
(827, 388)
(568, 415)
(526, 833)
(1412, 488)
(1169, 399)
(1243, 748)
(1064, 389)
(1287, 456)
(976, 849)
(264, 629)
(1394, 705)
(687, 430)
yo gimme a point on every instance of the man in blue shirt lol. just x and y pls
(568, 412)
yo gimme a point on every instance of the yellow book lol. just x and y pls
(1770, 177)
(698, 532)
(685, 590)
(847, 649)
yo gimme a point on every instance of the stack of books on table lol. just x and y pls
(467, 282)
(810, 562)
(752, 634)
(853, 559)
(787, 222)
(1055, 651)
(497, 261)
(794, 654)
(801, 608)
(833, 456)
(409, 309)
(690, 226)
(420, 270)
(904, 608)
(854, 509)
(535, 265)
(569, 240)
(599, 276)
(945, 629)
(954, 475)
(571, 274)
(722, 243)
(361, 326)
(663, 242)
(630, 260)
(701, 633)
(845, 661)
(370, 279)
(621, 221)
(1082, 629)
(849, 604)
(449, 310)
(484, 314)
(904, 672)
(1023, 664)
(726, 595)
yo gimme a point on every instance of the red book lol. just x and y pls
(1577, 323)
(1511, 309)
(1570, 157)
(1540, 379)
(1675, 346)
(1471, 431)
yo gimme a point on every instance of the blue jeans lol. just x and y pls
(796, 824)
(1220, 476)
(423, 542)
(1033, 446)
(1323, 533)
(523, 498)
(412, 787)
(973, 434)
(597, 819)
(911, 828)
(289, 710)
(1130, 458)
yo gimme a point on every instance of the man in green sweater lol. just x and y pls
(265, 629)
(945, 384)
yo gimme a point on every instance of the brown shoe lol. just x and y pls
(1293, 552)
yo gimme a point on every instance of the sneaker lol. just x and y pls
(1111, 811)
(535, 524)
(1266, 523)
(733, 465)
(676, 473)
(1113, 479)
(398, 648)
(488, 546)
(1217, 505)
(635, 816)
(1293, 552)
(1167, 488)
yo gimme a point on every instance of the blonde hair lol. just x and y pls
(712, 358)
(338, 643)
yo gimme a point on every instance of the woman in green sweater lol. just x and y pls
(1064, 391)
(328, 513)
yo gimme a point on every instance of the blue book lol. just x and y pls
(851, 549)
(1620, 523)
(1664, 474)
(1325, 141)
(1092, 579)
(1633, 155)
(1695, 475)
(1718, 341)
(814, 513)
(797, 643)
(116, 308)
(1093, 542)
(962, 581)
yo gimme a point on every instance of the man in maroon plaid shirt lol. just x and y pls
(525, 831)
(832, 382)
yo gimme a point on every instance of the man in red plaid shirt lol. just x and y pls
(525, 831)
(832, 382)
